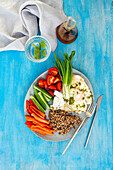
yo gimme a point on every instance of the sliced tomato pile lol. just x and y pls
(52, 82)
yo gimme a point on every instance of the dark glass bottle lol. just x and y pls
(67, 32)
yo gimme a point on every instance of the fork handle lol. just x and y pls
(90, 130)
(97, 107)
(74, 135)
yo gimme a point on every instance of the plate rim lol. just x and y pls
(37, 134)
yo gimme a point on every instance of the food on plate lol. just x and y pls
(57, 79)
(58, 101)
(42, 83)
(79, 83)
(62, 122)
(65, 71)
(59, 86)
(39, 99)
(53, 87)
(53, 71)
(61, 92)
(80, 93)
(76, 95)
(37, 111)
(51, 92)
(39, 50)
(50, 79)
(36, 120)
(37, 103)
(80, 97)
(43, 91)
(43, 99)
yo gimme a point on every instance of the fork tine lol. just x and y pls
(91, 107)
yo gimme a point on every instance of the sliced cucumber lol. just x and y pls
(37, 103)
(43, 99)
(43, 91)
(48, 99)
(39, 99)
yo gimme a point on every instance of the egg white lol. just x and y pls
(80, 91)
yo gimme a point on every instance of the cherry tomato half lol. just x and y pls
(42, 83)
(59, 86)
(50, 79)
(46, 86)
(51, 92)
(53, 87)
(57, 79)
(53, 71)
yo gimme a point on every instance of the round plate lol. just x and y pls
(56, 136)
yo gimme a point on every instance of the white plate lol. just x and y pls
(56, 136)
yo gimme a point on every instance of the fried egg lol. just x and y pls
(81, 94)
(80, 97)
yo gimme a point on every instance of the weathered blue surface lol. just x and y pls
(19, 147)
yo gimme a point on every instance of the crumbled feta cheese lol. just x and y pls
(58, 94)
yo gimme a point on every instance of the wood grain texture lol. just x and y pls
(19, 147)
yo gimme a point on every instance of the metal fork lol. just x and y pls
(88, 114)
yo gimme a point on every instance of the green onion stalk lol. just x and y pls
(65, 70)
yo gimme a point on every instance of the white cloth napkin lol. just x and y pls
(21, 19)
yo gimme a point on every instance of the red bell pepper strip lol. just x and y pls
(39, 131)
(42, 124)
(43, 128)
(27, 104)
(39, 118)
(31, 119)
(28, 111)
(32, 110)
(37, 110)
(28, 123)
(32, 103)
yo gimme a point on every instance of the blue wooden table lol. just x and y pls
(19, 147)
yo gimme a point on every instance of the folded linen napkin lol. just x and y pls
(20, 20)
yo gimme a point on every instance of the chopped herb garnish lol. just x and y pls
(83, 90)
(76, 85)
(88, 97)
(66, 100)
(83, 105)
(71, 100)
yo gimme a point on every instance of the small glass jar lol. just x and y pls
(29, 49)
